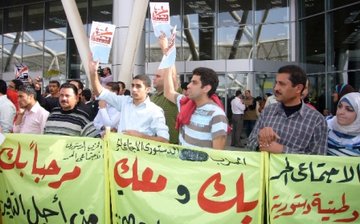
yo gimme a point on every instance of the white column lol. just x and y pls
(128, 54)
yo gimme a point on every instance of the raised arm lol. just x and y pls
(169, 88)
(94, 80)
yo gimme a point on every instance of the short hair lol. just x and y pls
(87, 94)
(207, 77)
(80, 84)
(146, 80)
(28, 89)
(18, 83)
(114, 87)
(184, 85)
(3, 87)
(127, 92)
(296, 74)
(238, 92)
(122, 84)
(68, 85)
(55, 82)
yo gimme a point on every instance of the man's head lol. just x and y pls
(184, 87)
(158, 81)
(68, 96)
(106, 71)
(26, 97)
(86, 95)
(15, 84)
(204, 81)
(140, 87)
(54, 87)
(3, 87)
(113, 87)
(289, 85)
(79, 85)
(238, 93)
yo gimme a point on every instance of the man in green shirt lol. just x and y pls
(170, 109)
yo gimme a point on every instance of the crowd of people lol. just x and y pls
(189, 114)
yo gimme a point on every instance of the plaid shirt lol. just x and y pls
(303, 132)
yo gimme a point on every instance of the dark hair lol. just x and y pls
(3, 87)
(114, 87)
(68, 85)
(86, 93)
(122, 84)
(184, 85)
(127, 92)
(238, 92)
(56, 82)
(343, 89)
(207, 77)
(297, 74)
(18, 83)
(268, 94)
(28, 89)
(108, 70)
(80, 84)
(146, 80)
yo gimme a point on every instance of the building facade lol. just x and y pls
(244, 41)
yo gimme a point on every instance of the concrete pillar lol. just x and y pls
(128, 53)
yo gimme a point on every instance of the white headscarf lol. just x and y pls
(352, 129)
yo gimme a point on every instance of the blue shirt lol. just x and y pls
(147, 117)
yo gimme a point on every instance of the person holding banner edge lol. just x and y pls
(290, 126)
(139, 116)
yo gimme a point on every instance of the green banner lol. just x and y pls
(153, 182)
(52, 179)
(313, 189)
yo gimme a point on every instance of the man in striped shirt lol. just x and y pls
(69, 119)
(201, 120)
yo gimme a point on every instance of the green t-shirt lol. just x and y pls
(171, 111)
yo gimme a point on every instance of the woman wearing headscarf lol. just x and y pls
(344, 128)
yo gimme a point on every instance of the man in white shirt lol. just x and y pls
(7, 109)
(31, 117)
(237, 108)
(139, 116)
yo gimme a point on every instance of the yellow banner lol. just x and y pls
(52, 179)
(313, 189)
(153, 182)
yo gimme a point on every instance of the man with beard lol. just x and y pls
(69, 119)
(31, 117)
(290, 126)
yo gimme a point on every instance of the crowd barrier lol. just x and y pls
(123, 179)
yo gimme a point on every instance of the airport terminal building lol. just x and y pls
(244, 41)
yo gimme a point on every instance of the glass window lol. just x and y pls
(199, 44)
(11, 55)
(272, 42)
(310, 7)
(1, 37)
(54, 60)
(235, 12)
(336, 4)
(200, 13)
(55, 21)
(101, 11)
(346, 41)
(312, 37)
(33, 56)
(33, 22)
(234, 42)
(271, 11)
(13, 20)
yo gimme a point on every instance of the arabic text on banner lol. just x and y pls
(313, 189)
(153, 182)
(52, 179)
(101, 38)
